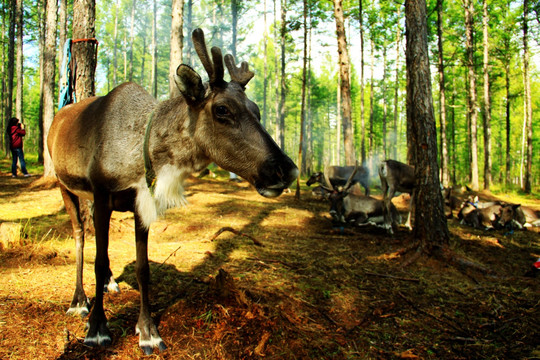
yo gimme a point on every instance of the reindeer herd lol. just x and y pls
(349, 208)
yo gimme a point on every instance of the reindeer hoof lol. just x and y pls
(80, 308)
(111, 286)
(98, 337)
(149, 338)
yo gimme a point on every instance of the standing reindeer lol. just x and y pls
(396, 176)
(128, 152)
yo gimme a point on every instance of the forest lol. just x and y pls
(483, 59)
(214, 269)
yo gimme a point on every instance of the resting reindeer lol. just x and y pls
(339, 174)
(396, 176)
(346, 207)
(128, 152)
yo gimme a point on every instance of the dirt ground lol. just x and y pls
(284, 285)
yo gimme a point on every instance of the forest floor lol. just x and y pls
(294, 287)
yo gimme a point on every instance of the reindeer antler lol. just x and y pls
(328, 186)
(214, 69)
(349, 181)
(241, 74)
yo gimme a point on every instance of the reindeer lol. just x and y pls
(128, 152)
(346, 207)
(396, 176)
(339, 174)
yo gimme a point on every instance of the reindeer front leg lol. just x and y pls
(147, 330)
(98, 332)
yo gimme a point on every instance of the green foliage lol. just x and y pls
(381, 21)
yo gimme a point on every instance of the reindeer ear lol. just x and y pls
(189, 83)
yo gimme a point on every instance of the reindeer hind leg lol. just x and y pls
(79, 304)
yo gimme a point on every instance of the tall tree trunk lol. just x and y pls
(442, 97)
(20, 62)
(234, 25)
(453, 128)
(177, 40)
(49, 66)
(527, 94)
(115, 48)
(153, 81)
(131, 40)
(280, 127)
(344, 70)
(472, 104)
(42, 28)
(4, 139)
(11, 58)
(487, 102)
(339, 120)
(84, 53)
(384, 104)
(508, 166)
(189, 29)
(62, 24)
(396, 90)
(301, 154)
(265, 79)
(371, 100)
(430, 226)
(362, 109)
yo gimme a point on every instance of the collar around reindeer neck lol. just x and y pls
(149, 172)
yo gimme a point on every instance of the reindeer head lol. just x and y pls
(337, 196)
(226, 126)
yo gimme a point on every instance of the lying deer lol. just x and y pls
(346, 207)
(339, 174)
(128, 152)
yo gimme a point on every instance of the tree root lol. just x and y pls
(444, 254)
(236, 232)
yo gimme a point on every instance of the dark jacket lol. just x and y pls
(15, 136)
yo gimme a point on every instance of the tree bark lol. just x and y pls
(430, 226)
(84, 52)
(49, 66)
(508, 163)
(131, 40)
(11, 59)
(177, 40)
(234, 13)
(20, 61)
(384, 104)
(396, 90)
(442, 97)
(42, 28)
(115, 48)
(487, 102)
(362, 109)
(371, 100)
(472, 103)
(265, 79)
(344, 71)
(301, 164)
(527, 94)
(280, 127)
(153, 81)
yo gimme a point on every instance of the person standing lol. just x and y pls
(16, 133)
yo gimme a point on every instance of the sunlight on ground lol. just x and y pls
(30, 204)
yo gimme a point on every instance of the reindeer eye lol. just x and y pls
(222, 111)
